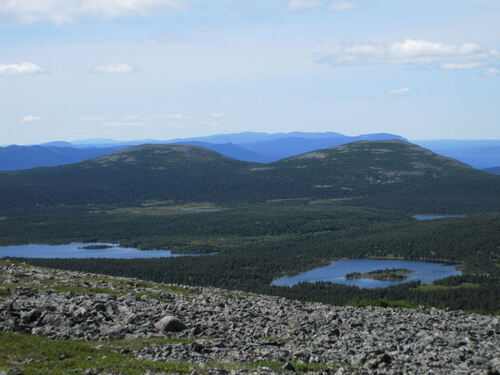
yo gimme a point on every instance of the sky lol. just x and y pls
(163, 69)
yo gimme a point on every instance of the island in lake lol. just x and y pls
(388, 274)
(96, 247)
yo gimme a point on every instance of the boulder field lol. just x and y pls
(215, 325)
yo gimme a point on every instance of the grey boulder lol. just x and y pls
(170, 324)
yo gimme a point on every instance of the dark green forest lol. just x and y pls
(161, 226)
(473, 241)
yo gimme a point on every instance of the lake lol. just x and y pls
(435, 217)
(335, 272)
(76, 250)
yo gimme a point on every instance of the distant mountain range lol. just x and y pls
(24, 157)
(246, 146)
(389, 174)
(494, 170)
(478, 154)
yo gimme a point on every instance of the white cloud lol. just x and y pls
(303, 4)
(491, 72)
(113, 69)
(27, 119)
(63, 11)
(413, 52)
(343, 5)
(460, 66)
(218, 114)
(403, 90)
(176, 116)
(21, 68)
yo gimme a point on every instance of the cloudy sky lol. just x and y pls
(136, 69)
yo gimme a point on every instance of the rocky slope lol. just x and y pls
(209, 326)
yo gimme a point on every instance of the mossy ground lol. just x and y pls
(43, 356)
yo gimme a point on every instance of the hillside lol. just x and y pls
(139, 173)
(390, 174)
(56, 322)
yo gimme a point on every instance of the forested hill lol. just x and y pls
(390, 174)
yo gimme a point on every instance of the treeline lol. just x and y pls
(475, 241)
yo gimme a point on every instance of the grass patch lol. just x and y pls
(140, 343)
(120, 283)
(8, 262)
(42, 356)
(111, 286)
(431, 287)
(39, 355)
(164, 208)
(59, 287)
(156, 296)
(176, 289)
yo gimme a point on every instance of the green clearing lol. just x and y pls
(432, 287)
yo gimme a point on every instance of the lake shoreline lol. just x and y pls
(79, 250)
(337, 270)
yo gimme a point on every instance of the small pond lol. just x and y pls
(83, 250)
(435, 217)
(335, 272)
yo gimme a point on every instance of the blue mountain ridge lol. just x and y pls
(494, 170)
(240, 146)
(479, 154)
(23, 157)
(247, 146)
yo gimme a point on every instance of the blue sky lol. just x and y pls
(161, 69)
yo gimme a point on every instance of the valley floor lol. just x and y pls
(59, 322)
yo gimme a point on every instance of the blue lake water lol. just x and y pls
(335, 272)
(435, 217)
(75, 250)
